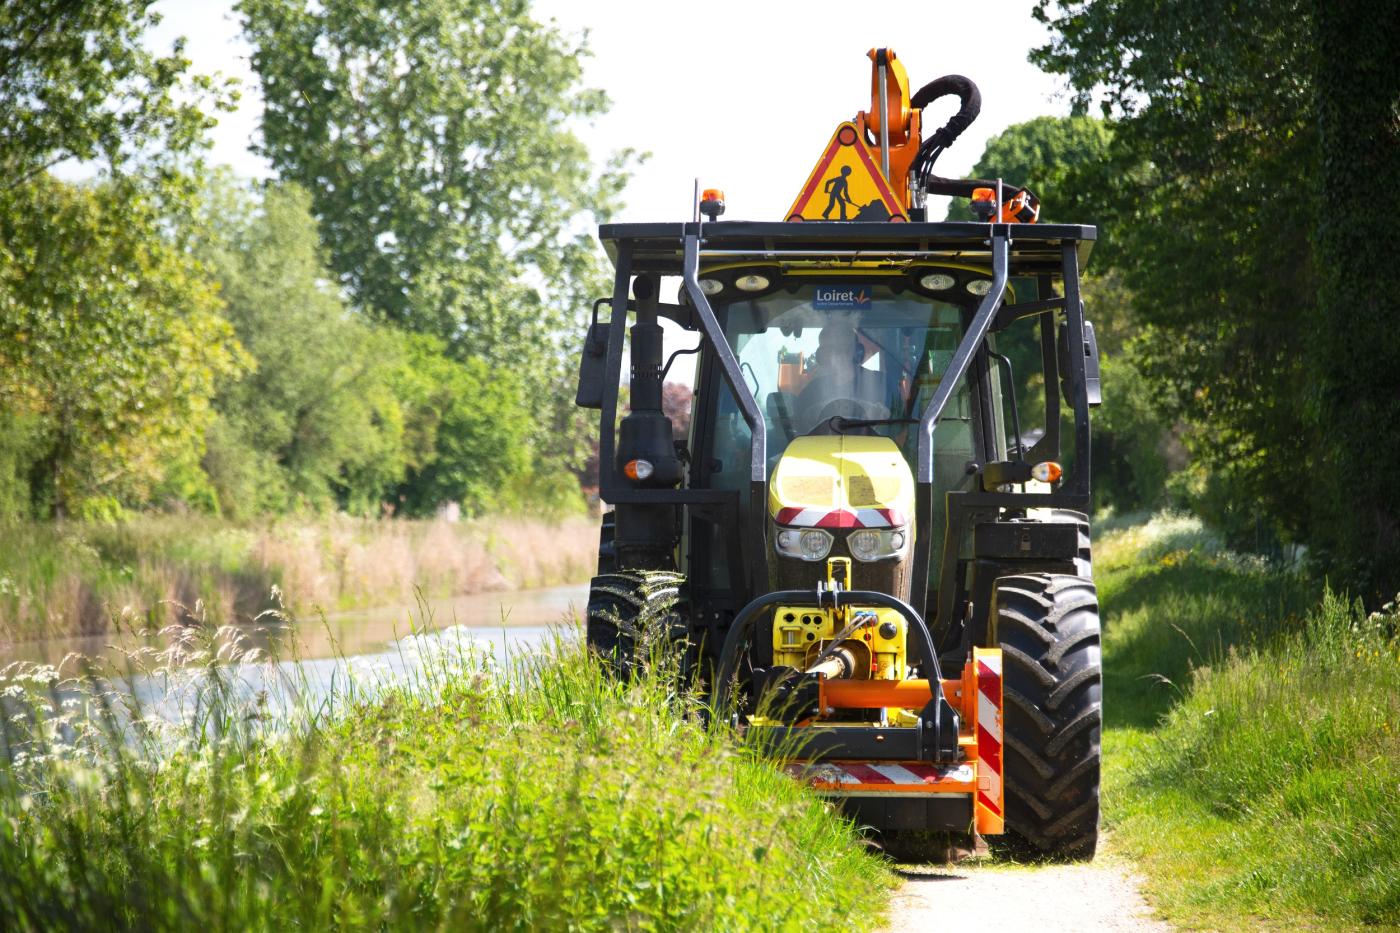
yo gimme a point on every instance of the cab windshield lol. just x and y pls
(814, 354)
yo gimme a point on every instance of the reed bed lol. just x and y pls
(88, 578)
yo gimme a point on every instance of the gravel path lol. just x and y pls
(1051, 899)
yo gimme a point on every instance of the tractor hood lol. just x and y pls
(839, 482)
(828, 490)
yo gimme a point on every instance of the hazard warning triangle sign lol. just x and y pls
(847, 184)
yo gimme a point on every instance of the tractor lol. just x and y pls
(870, 549)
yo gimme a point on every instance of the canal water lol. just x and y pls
(313, 662)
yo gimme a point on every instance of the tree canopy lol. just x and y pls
(1219, 167)
(1053, 156)
(110, 338)
(435, 140)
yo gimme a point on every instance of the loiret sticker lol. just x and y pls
(842, 298)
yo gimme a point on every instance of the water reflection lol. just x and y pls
(503, 617)
(272, 667)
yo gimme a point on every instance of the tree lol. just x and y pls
(1220, 195)
(1357, 93)
(110, 337)
(317, 424)
(1053, 156)
(76, 82)
(110, 340)
(433, 139)
(470, 424)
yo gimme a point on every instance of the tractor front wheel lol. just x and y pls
(631, 614)
(1047, 626)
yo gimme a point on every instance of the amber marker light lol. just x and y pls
(1047, 472)
(638, 469)
(983, 194)
(712, 203)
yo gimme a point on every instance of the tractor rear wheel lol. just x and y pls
(632, 613)
(1048, 628)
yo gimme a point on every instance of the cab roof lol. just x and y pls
(658, 247)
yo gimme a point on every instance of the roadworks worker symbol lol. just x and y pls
(846, 184)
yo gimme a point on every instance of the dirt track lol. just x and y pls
(1052, 899)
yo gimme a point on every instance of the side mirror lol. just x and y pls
(591, 367)
(1090, 349)
(1091, 366)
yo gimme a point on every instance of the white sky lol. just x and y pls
(742, 94)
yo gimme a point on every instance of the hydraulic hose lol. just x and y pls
(965, 90)
(945, 136)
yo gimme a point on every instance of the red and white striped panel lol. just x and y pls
(841, 518)
(989, 730)
(909, 776)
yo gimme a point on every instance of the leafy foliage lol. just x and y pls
(76, 82)
(318, 421)
(110, 336)
(1050, 155)
(1358, 364)
(433, 139)
(470, 426)
(1217, 193)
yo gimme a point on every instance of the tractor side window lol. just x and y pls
(1021, 379)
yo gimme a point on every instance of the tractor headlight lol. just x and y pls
(803, 543)
(869, 544)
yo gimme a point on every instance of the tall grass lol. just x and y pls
(1252, 755)
(75, 578)
(479, 794)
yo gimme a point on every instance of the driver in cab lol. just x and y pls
(838, 384)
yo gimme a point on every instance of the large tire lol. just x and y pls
(1048, 628)
(631, 613)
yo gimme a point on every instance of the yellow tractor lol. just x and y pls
(871, 547)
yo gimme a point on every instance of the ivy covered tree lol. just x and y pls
(1238, 132)
(1357, 94)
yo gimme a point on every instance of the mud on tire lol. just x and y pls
(1048, 629)
(632, 613)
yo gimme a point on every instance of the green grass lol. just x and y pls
(1252, 756)
(537, 794)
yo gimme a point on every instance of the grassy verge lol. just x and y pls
(532, 795)
(1253, 741)
(76, 578)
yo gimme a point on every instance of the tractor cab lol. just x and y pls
(885, 482)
